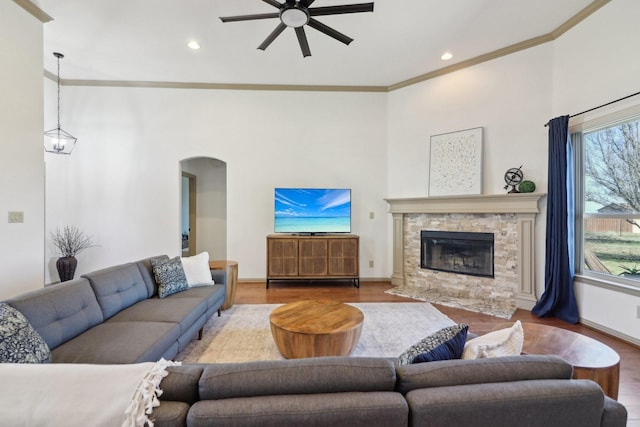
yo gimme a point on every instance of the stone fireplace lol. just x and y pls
(508, 218)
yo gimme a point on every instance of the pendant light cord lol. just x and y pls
(58, 91)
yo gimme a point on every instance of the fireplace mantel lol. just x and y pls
(493, 203)
(523, 205)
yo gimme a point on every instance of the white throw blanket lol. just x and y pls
(79, 395)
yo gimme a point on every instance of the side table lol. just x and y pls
(590, 358)
(231, 267)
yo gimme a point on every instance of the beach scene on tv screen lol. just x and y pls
(303, 210)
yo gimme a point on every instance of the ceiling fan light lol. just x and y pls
(294, 17)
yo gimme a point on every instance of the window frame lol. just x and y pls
(577, 128)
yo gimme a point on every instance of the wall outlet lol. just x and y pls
(371, 266)
(370, 215)
(16, 217)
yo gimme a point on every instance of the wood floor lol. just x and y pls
(283, 292)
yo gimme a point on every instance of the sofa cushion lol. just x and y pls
(478, 371)
(504, 342)
(117, 287)
(170, 414)
(381, 408)
(60, 312)
(19, 342)
(296, 376)
(170, 276)
(214, 295)
(196, 269)
(536, 403)
(146, 271)
(121, 342)
(445, 344)
(183, 311)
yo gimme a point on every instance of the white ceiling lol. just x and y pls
(146, 40)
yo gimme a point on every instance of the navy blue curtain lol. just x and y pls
(558, 299)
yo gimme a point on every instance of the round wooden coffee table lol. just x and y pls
(316, 328)
(590, 358)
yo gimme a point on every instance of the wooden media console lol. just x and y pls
(308, 257)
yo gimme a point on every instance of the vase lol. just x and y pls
(66, 267)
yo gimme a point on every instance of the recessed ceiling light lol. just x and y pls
(194, 45)
(446, 56)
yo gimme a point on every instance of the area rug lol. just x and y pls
(242, 333)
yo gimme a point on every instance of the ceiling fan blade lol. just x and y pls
(337, 10)
(273, 3)
(249, 17)
(313, 23)
(279, 29)
(302, 39)
(306, 3)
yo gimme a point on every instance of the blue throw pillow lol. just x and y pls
(434, 347)
(169, 275)
(450, 349)
(19, 342)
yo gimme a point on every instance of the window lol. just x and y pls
(608, 201)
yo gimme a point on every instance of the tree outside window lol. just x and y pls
(612, 200)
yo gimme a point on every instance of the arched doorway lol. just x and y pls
(204, 207)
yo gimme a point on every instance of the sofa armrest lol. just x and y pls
(480, 371)
(219, 276)
(614, 414)
(181, 383)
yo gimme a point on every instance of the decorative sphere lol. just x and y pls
(527, 187)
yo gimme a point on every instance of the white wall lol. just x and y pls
(594, 63)
(21, 162)
(121, 184)
(509, 97)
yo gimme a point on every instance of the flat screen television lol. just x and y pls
(312, 210)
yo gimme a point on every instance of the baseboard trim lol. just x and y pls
(362, 279)
(617, 334)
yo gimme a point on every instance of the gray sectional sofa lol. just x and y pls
(114, 315)
(523, 391)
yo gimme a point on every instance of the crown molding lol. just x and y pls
(590, 9)
(34, 10)
(220, 86)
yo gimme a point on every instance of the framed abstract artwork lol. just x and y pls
(455, 163)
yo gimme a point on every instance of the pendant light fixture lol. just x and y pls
(57, 140)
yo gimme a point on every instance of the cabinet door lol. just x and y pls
(313, 257)
(343, 257)
(282, 257)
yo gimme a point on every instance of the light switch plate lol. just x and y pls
(16, 217)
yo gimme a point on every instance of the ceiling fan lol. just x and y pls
(298, 13)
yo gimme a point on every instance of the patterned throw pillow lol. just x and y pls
(169, 275)
(19, 342)
(445, 344)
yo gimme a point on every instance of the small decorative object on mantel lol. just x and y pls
(513, 177)
(527, 186)
(69, 242)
